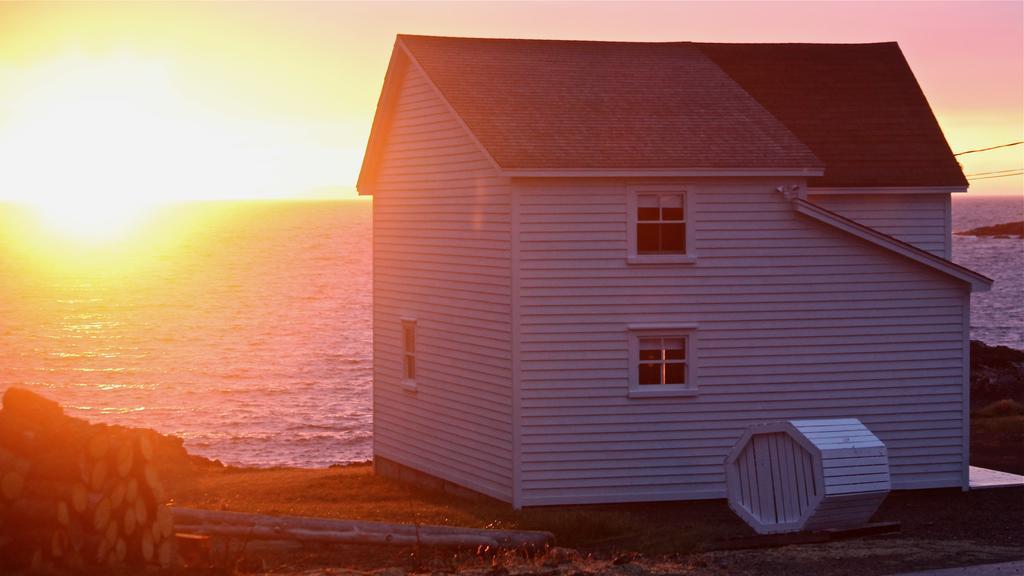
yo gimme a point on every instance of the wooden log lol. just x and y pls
(58, 543)
(79, 497)
(9, 461)
(125, 459)
(57, 466)
(141, 512)
(120, 550)
(101, 516)
(154, 529)
(32, 512)
(117, 493)
(99, 444)
(216, 522)
(12, 484)
(129, 521)
(98, 475)
(165, 521)
(131, 492)
(112, 533)
(193, 549)
(148, 548)
(152, 482)
(346, 537)
(102, 551)
(63, 513)
(145, 447)
(165, 554)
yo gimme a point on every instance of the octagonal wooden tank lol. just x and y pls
(807, 475)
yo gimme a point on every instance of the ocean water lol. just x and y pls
(249, 335)
(245, 328)
(997, 316)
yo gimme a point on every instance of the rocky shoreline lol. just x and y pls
(1005, 230)
(997, 377)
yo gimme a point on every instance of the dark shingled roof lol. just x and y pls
(854, 109)
(858, 106)
(604, 105)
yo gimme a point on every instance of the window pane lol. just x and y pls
(647, 238)
(675, 373)
(646, 213)
(671, 201)
(650, 351)
(410, 367)
(675, 349)
(647, 207)
(409, 334)
(647, 201)
(649, 374)
(672, 207)
(673, 238)
(672, 214)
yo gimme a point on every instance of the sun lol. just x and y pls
(91, 145)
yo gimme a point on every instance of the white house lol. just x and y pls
(596, 263)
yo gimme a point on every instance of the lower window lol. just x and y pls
(661, 362)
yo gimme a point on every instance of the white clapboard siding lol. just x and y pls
(807, 475)
(795, 320)
(918, 219)
(442, 257)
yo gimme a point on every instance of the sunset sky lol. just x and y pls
(179, 101)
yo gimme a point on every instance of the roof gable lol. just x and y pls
(540, 107)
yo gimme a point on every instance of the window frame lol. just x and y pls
(636, 332)
(408, 384)
(689, 256)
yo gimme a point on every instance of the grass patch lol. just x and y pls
(354, 492)
(997, 442)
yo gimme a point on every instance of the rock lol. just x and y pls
(629, 569)
(1007, 230)
(31, 407)
(557, 556)
(625, 558)
(997, 373)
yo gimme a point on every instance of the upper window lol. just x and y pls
(660, 224)
(409, 353)
(660, 230)
(661, 361)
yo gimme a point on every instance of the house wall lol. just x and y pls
(918, 219)
(442, 256)
(795, 320)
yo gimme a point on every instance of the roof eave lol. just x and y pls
(659, 172)
(839, 190)
(381, 121)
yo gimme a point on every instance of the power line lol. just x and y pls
(989, 148)
(998, 176)
(993, 172)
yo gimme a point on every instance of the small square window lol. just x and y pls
(661, 362)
